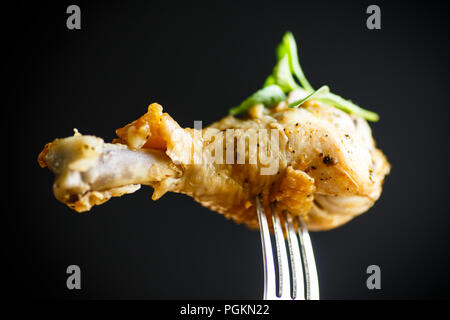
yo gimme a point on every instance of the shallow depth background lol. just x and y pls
(197, 61)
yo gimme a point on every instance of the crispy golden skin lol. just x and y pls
(328, 168)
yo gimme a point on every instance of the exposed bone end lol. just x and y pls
(85, 201)
(89, 172)
(77, 153)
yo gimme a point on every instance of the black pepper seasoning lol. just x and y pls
(329, 161)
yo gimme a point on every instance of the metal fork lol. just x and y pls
(307, 255)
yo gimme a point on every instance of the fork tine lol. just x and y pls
(269, 268)
(284, 288)
(307, 255)
(298, 287)
(312, 281)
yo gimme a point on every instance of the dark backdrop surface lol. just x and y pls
(197, 61)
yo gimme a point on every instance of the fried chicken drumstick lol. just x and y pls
(329, 169)
(307, 152)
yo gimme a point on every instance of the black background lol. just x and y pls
(198, 60)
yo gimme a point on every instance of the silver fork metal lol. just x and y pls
(300, 291)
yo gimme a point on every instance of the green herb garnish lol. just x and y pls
(348, 106)
(289, 47)
(268, 96)
(282, 76)
(282, 81)
(321, 90)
